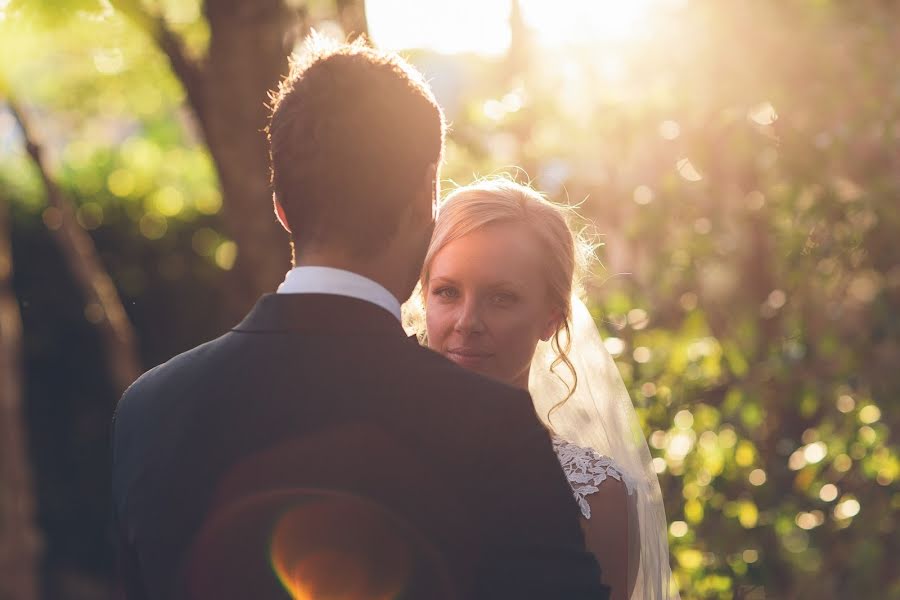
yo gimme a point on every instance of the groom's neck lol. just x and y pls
(382, 269)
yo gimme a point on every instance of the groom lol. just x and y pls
(315, 443)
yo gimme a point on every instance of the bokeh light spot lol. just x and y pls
(52, 217)
(828, 492)
(755, 200)
(168, 201)
(208, 201)
(648, 389)
(642, 354)
(869, 414)
(94, 313)
(689, 558)
(637, 318)
(669, 130)
(744, 454)
(687, 170)
(842, 463)
(815, 452)
(680, 445)
(643, 195)
(614, 345)
(109, 61)
(762, 114)
(757, 477)
(205, 241)
(678, 529)
(748, 514)
(684, 419)
(152, 226)
(709, 441)
(120, 182)
(89, 215)
(688, 301)
(867, 435)
(727, 437)
(845, 403)
(226, 254)
(847, 508)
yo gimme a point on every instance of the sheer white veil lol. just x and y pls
(600, 415)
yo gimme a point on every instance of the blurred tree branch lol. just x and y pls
(189, 72)
(20, 542)
(80, 252)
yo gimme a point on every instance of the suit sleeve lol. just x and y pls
(540, 548)
(127, 583)
(128, 576)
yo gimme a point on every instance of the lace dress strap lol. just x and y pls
(586, 469)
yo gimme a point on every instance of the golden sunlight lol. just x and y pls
(482, 26)
(455, 27)
(559, 23)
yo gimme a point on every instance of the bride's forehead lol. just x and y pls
(504, 242)
(488, 253)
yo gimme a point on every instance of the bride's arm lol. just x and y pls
(606, 535)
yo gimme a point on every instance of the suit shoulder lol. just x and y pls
(441, 369)
(442, 377)
(156, 379)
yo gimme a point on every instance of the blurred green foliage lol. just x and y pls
(741, 172)
(740, 167)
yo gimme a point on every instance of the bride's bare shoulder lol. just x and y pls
(603, 491)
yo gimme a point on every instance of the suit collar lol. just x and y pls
(319, 314)
(327, 280)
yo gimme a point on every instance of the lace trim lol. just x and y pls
(586, 469)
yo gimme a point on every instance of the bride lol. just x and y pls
(497, 293)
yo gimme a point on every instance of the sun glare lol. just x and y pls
(482, 26)
(566, 22)
(460, 26)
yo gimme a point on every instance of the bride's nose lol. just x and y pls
(468, 320)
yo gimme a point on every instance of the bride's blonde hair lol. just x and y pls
(502, 200)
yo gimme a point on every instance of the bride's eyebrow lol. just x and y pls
(443, 281)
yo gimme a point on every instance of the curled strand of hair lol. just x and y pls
(562, 358)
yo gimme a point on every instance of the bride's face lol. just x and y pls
(486, 305)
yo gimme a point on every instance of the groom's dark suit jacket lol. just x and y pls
(319, 391)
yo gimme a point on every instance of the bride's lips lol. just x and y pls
(468, 357)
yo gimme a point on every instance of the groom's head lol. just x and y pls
(356, 139)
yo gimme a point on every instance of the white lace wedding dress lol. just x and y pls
(586, 471)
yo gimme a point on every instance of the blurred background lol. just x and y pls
(739, 161)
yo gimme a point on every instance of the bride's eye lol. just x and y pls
(504, 299)
(447, 292)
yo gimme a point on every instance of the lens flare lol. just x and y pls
(321, 550)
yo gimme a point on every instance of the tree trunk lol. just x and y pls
(20, 543)
(103, 306)
(248, 54)
(228, 93)
(352, 16)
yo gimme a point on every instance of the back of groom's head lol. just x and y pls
(352, 136)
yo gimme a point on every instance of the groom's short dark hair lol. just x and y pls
(352, 132)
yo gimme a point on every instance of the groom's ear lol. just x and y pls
(430, 190)
(279, 213)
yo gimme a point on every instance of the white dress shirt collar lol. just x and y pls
(327, 280)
